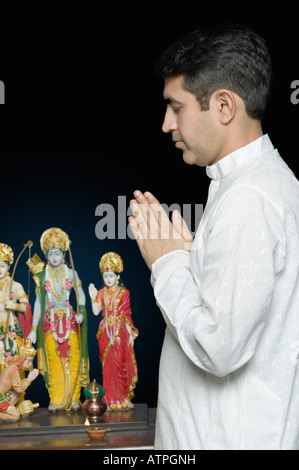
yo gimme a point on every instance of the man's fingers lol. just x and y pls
(150, 218)
(146, 222)
(149, 203)
(136, 230)
(140, 218)
(156, 207)
(165, 226)
(142, 203)
(141, 199)
(153, 221)
(154, 232)
(181, 230)
(181, 226)
(148, 214)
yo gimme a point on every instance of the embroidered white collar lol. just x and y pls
(237, 158)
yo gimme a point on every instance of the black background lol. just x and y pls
(82, 126)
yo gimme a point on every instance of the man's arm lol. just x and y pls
(216, 306)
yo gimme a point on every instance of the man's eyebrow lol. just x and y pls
(170, 100)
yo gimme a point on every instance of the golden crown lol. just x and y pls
(6, 253)
(111, 262)
(27, 350)
(54, 238)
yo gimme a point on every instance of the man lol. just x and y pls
(228, 371)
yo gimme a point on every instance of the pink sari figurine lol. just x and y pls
(116, 335)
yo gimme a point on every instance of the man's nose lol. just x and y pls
(169, 124)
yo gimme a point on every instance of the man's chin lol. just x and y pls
(188, 157)
(192, 159)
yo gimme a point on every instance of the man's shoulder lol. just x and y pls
(270, 177)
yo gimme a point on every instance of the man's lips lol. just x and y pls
(177, 142)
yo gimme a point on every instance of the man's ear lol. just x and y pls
(225, 101)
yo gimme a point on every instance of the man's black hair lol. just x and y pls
(224, 56)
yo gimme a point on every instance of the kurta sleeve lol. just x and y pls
(215, 300)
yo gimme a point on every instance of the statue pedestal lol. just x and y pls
(43, 422)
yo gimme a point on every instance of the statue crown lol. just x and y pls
(111, 262)
(54, 238)
(6, 253)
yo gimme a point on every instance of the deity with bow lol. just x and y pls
(15, 309)
(61, 333)
(116, 334)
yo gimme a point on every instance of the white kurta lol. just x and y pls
(228, 372)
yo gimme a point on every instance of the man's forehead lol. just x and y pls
(174, 89)
(173, 85)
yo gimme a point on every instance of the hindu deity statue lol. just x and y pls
(12, 385)
(116, 334)
(60, 332)
(15, 309)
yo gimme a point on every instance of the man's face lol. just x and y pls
(194, 131)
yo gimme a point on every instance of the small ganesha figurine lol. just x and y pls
(116, 334)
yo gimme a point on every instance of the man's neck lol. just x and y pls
(240, 137)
